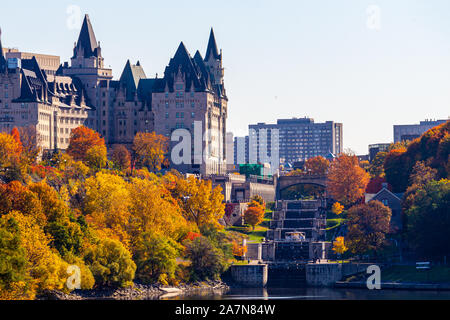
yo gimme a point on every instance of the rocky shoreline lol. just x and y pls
(139, 292)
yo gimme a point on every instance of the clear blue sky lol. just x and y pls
(283, 59)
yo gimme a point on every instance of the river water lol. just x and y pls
(317, 294)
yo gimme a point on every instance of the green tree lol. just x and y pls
(428, 219)
(111, 264)
(207, 261)
(14, 279)
(155, 258)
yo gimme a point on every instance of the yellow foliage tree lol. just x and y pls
(150, 150)
(153, 209)
(337, 208)
(107, 205)
(201, 204)
(47, 269)
(339, 245)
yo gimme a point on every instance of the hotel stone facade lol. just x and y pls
(36, 90)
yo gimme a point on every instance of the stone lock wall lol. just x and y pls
(254, 276)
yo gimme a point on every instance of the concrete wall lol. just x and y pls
(326, 275)
(254, 276)
(254, 251)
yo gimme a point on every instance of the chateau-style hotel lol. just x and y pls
(37, 90)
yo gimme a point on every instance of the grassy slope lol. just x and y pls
(260, 231)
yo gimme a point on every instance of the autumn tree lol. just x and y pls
(9, 150)
(254, 215)
(376, 184)
(432, 148)
(16, 197)
(201, 203)
(368, 225)
(337, 208)
(30, 144)
(258, 199)
(376, 168)
(296, 172)
(339, 246)
(121, 157)
(16, 135)
(153, 209)
(347, 181)
(96, 157)
(106, 205)
(150, 150)
(81, 140)
(317, 165)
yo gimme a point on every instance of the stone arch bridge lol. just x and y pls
(285, 182)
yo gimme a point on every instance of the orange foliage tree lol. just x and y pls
(16, 135)
(317, 165)
(150, 150)
(254, 215)
(347, 181)
(81, 140)
(121, 157)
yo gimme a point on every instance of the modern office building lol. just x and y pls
(374, 149)
(230, 148)
(410, 132)
(241, 150)
(293, 140)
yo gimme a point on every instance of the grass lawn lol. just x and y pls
(260, 231)
(334, 223)
(437, 274)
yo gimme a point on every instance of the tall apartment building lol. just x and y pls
(53, 105)
(241, 150)
(410, 132)
(191, 91)
(293, 140)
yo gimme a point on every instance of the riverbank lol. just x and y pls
(139, 292)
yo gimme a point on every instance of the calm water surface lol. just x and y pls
(317, 294)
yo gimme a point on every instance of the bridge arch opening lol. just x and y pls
(303, 191)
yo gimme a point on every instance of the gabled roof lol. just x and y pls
(212, 47)
(130, 78)
(87, 41)
(371, 196)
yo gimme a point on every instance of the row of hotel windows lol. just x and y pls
(180, 105)
(72, 120)
(180, 94)
(180, 115)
